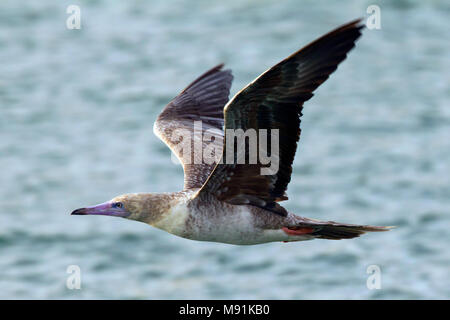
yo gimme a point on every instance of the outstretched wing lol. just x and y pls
(275, 101)
(184, 121)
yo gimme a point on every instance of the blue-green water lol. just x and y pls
(77, 109)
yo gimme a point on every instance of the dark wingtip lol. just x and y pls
(358, 23)
(219, 66)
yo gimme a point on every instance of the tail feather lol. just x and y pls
(336, 231)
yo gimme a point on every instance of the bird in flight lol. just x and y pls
(232, 201)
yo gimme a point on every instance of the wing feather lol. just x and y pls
(203, 100)
(275, 101)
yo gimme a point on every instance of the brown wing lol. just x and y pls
(201, 102)
(274, 101)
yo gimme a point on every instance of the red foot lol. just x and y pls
(297, 232)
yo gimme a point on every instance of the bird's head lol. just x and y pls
(145, 207)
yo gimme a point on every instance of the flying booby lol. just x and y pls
(233, 202)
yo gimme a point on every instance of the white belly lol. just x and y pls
(174, 221)
(234, 226)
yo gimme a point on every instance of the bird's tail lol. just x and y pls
(332, 230)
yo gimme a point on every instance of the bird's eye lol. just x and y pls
(118, 205)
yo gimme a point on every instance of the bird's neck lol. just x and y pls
(154, 207)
